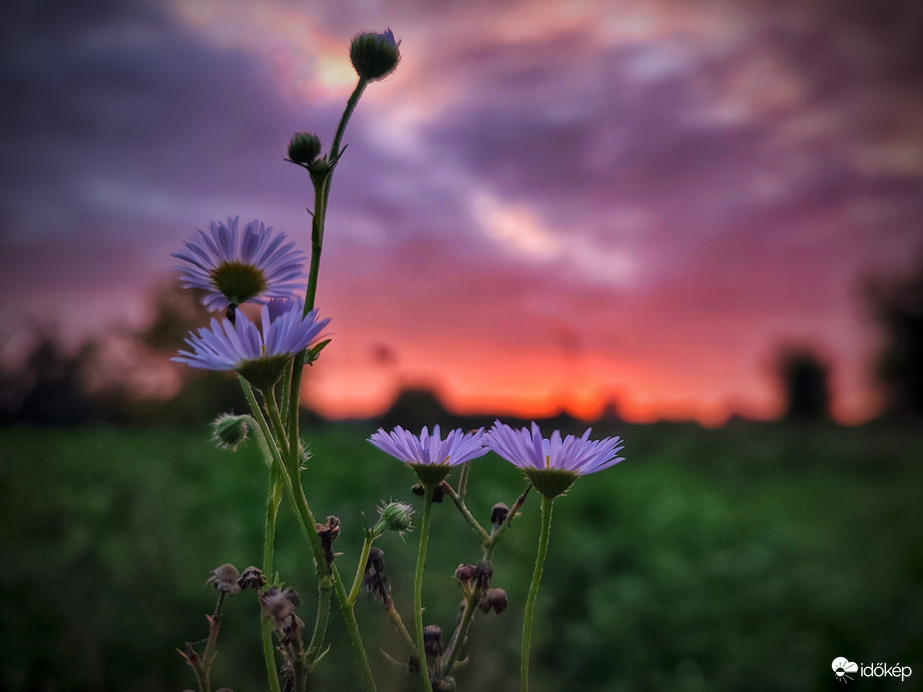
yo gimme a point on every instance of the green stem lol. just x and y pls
(324, 586)
(360, 568)
(461, 632)
(418, 585)
(352, 628)
(466, 513)
(533, 593)
(272, 511)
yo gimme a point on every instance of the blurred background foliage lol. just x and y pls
(742, 558)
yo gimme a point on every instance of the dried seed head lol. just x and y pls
(328, 533)
(252, 578)
(224, 578)
(498, 514)
(279, 605)
(482, 575)
(374, 579)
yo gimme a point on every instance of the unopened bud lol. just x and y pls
(482, 575)
(438, 491)
(394, 516)
(304, 148)
(464, 572)
(225, 578)
(494, 599)
(230, 431)
(432, 640)
(374, 56)
(498, 514)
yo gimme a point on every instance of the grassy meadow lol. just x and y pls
(747, 557)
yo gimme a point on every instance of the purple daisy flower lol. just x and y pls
(553, 464)
(234, 267)
(260, 356)
(429, 455)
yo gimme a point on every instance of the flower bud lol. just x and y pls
(230, 431)
(498, 514)
(374, 56)
(432, 640)
(304, 148)
(494, 599)
(394, 516)
(225, 578)
(465, 573)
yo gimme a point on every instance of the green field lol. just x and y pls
(741, 558)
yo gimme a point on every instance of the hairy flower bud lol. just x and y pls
(225, 578)
(280, 605)
(394, 516)
(230, 431)
(304, 148)
(374, 56)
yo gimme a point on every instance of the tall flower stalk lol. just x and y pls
(552, 465)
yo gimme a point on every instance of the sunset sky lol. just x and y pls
(549, 205)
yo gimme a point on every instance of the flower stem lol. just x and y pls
(418, 585)
(272, 511)
(533, 593)
(360, 568)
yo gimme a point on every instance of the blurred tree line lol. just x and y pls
(88, 384)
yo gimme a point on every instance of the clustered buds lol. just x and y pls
(375, 56)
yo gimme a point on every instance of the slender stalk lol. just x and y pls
(461, 632)
(465, 512)
(418, 585)
(272, 511)
(324, 586)
(352, 628)
(398, 623)
(533, 594)
(360, 568)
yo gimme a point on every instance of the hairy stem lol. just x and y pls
(533, 594)
(418, 585)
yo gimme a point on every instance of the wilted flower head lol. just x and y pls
(235, 268)
(260, 356)
(279, 605)
(225, 578)
(375, 56)
(553, 464)
(429, 455)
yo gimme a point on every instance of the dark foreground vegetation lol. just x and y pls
(743, 558)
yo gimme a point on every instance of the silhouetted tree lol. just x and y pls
(804, 378)
(897, 305)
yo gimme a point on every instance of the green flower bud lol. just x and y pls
(375, 56)
(394, 516)
(230, 431)
(304, 148)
